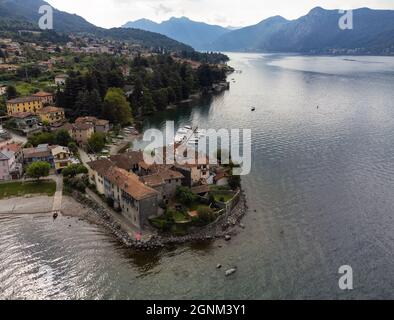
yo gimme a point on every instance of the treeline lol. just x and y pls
(151, 85)
(205, 57)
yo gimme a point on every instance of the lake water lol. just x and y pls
(320, 196)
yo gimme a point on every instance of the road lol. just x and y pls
(17, 138)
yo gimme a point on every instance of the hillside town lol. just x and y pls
(71, 111)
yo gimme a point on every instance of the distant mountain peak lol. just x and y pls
(315, 33)
(317, 10)
(197, 34)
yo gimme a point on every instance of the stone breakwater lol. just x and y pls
(223, 228)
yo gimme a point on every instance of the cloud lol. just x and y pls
(162, 9)
(112, 13)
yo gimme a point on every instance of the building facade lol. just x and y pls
(25, 122)
(22, 105)
(52, 115)
(46, 98)
(61, 158)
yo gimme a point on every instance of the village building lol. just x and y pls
(52, 115)
(97, 170)
(137, 201)
(45, 97)
(100, 125)
(3, 89)
(165, 182)
(195, 170)
(61, 157)
(10, 169)
(42, 152)
(132, 161)
(8, 67)
(80, 132)
(60, 80)
(15, 148)
(25, 122)
(26, 104)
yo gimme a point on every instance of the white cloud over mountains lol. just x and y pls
(114, 13)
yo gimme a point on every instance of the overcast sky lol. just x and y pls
(114, 13)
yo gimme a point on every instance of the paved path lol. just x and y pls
(85, 158)
(17, 138)
(57, 200)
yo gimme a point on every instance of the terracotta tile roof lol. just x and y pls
(128, 160)
(161, 177)
(153, 181)
(101, 166)
(82, 126)
(50, 109)
(35, 153)
(130, 183)
(86, 119)
(42, 94)
(24, 99)
(13, 147)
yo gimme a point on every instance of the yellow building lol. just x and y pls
(61, 157)
(52, 115)
(26, 104)
(46, 98)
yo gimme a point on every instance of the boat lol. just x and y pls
(253, 109)
(190, 136)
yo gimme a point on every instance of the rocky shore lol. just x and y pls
(223, 228)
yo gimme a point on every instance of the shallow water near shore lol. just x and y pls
(320, 196)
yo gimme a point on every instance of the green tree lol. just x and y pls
(97, 142)
(38, 170)
(74, 170)
(11, 92)
(72, 146)
(42, 138)
(234, 182)
(63, 138)
(185, 196)
(116, 107)
(205, 214)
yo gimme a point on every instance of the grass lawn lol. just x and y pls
(18, 189)
(179, 217)
(25, 89)
(195, 206)
(219, 196)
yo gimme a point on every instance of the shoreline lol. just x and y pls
(82, 207)
(223, 228)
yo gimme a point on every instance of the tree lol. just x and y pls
(42, 138)
(11, 92)
(74, 170)
(184, 195)
(234, 182)
(63, 138)
(72, 146)
(38, 170)
(97, 142)
(116, 107)
(205, 214)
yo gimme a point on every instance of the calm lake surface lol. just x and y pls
(320, 196)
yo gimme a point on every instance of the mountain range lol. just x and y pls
(317, 32)
(16, 14)
(199, 35)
